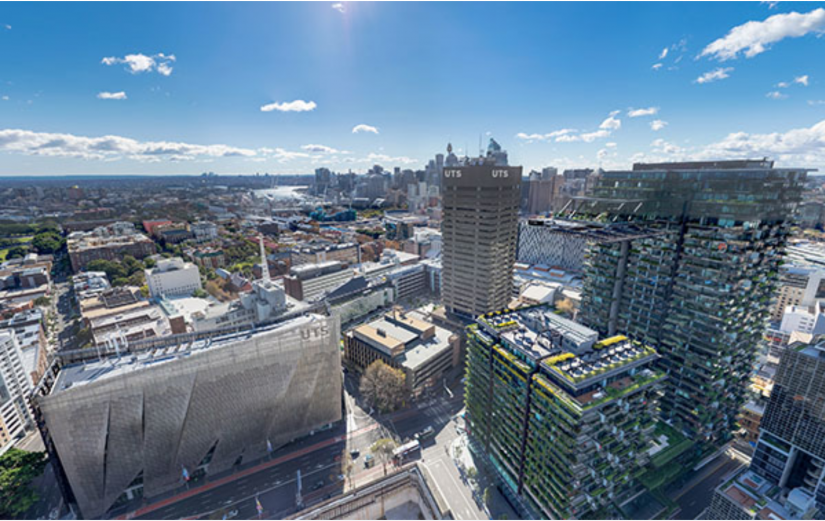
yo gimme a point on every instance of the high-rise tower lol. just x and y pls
(699, 292)
(480, 231)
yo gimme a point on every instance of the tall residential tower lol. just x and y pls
(564, 419)
(700, 291)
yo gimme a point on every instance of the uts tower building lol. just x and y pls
(480, 230)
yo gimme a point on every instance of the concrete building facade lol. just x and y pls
(479, 231)
(173, 277)
(142, 421)
(425, 352)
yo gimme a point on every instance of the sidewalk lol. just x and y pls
(233, 476)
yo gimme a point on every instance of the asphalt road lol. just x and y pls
(694, 496)
(319, 459)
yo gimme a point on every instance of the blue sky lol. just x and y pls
(96, 88)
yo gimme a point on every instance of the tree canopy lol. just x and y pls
(128, 271)
(383, 386)
(48, 242)
(17, 469)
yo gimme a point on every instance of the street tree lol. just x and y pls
(383, 449)
(383, 387)
(17, 470)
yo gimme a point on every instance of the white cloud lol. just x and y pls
(802, 80)
(611, 123)
(656, 66)
(611, 145)
(714, 75)
(357, 129)
(663, 147)
(545, 137)
(569, 135)
(298, 105)
(8, 27)
(339, 7)
(783, 85)
(663, 54)
(635, 113)
(796, 147)
(814, 102)
(5, 98)
(322, 149)
(384, 158)
(284, 156)
(805, 146)
(110, 147)
(137, 63)
(754, 38)
(771, 5)
(657, 124)
(776, 95)
(589, 137)
(111, 95)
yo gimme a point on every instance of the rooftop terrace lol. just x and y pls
(569, 352)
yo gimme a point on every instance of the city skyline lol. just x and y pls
(288, 88)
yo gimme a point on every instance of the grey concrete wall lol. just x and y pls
(276, 385)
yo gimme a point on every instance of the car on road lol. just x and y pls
(354, 453)
(426, 434)
(231, 514)
(318, 485)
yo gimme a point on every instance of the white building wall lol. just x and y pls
(15, 388)
(173, 277)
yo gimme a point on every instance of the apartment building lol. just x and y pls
(701, 290)
(15, 387)
(110, 242)
(786, 477)
(564, 419)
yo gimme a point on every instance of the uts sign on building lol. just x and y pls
(479, 236)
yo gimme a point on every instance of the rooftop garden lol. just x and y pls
(677, 443)
(613, 355)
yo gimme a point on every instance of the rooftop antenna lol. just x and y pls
(264, 263)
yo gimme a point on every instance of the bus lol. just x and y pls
(408, 450)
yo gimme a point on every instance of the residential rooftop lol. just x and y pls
(570, 354)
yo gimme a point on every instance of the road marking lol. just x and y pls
(263, 466)
(457, 485)
(716, 468)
